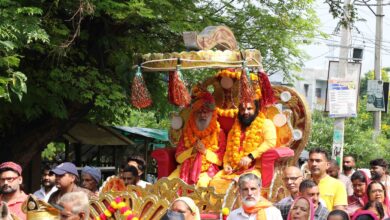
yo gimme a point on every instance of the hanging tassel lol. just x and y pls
(268, 97)
(177, 92)
(140, 96)
(246, 90)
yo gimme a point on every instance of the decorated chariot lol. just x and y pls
(214, 50)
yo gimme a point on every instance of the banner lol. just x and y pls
(342, 94)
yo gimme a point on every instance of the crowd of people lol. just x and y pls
(208, 155)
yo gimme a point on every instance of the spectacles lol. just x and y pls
(292, 178)
(377, 191)
(8, 179)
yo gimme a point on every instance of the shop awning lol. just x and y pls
(158, 134)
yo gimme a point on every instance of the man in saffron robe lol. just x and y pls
(202, 144)
(251, 135)
(254, 206)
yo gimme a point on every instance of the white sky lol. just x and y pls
(320, 51)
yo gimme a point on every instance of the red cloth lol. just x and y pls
(15, 205)
(191, 168)
(13, 166)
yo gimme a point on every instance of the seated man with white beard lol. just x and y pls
(202, 144)
(254, 206)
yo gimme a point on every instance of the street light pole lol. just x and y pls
(377, 63)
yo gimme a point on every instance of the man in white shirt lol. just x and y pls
(48, 184)
(254, 206)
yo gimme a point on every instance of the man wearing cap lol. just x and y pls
(10, 188)
(66, 181)
(90, 179)
(48, 182)
(202, 144)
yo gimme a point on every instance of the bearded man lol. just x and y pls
(202, 144)
(10, 188)
(251, 135)
(254, 206)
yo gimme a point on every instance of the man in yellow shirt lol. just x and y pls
(251, 135)
(332, 191)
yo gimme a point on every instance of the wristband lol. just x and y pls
(251, 156)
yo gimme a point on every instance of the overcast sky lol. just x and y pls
(363, 36)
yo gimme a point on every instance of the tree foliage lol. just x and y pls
(72, 60)
(358, 132)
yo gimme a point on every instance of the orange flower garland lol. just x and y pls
(230, 113)
(209, 136)
(253, 139)
(234, 75)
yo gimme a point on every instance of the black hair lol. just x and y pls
(319, 150)
(348, 155)
(359, 175)
(340, 213)
(378, 206)
(140, 161)
(333, 162)
(132, 169)
(379, 162)
(306, 184)
(364, 217)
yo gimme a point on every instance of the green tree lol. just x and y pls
(358, 136)
(78, 62)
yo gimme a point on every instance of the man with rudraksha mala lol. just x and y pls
(202, 144)
(251, 135)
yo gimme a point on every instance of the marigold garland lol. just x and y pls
(253, 138)
(209, 136)
(115, 205)
(230, 113)
(234, 75)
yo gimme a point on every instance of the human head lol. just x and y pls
(48, 178)
(130, 175)
(309, 189)
(90, 178)
(376, 207)
(376, 191)
(348, 162)
(378, 168)
(202, 109)
(318, 162)
(364, 215)
(138, 162)
(247, 112)
(250, 188)
(66, 175)
(359, 183)
(10, 178)
(333, 169)
(75, 206)
(338, 215)
(292, 177)
(186, 206)
(301, 209)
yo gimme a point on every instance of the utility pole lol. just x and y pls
(377, 63)
(338, 129)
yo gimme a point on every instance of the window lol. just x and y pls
(318, 93)
(306, 87)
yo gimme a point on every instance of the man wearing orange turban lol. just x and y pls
(202, 144)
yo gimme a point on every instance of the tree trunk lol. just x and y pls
(33, 138)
